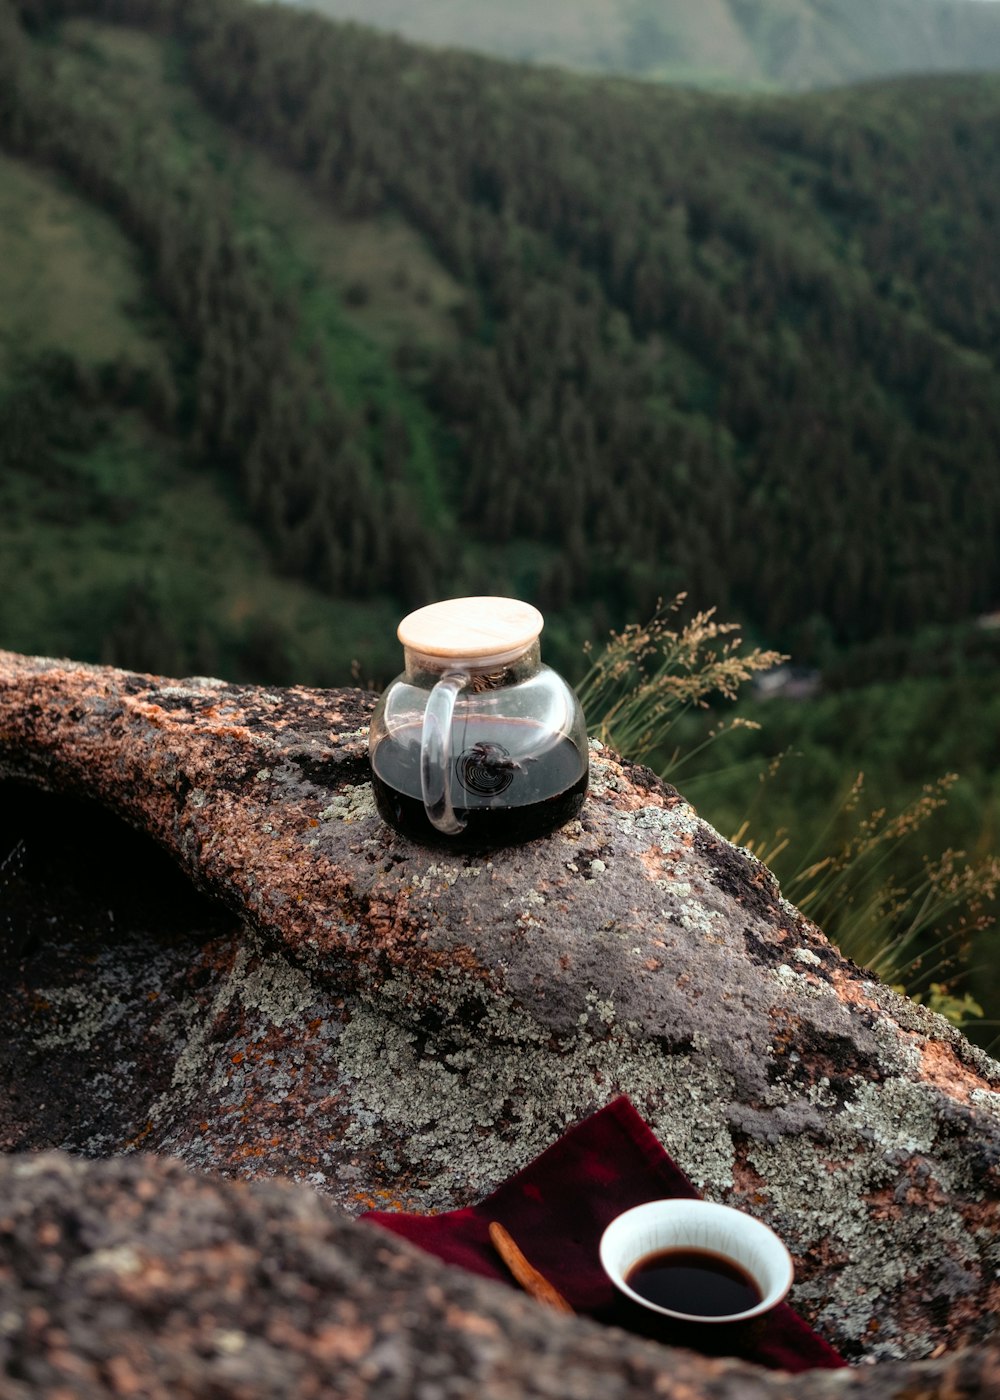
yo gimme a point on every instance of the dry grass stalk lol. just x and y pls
(648, 675)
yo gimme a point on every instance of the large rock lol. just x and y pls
(134, 1277)
(393, 1024)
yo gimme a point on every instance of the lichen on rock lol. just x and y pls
(384, 1022)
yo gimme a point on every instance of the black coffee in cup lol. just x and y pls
(698, 1282)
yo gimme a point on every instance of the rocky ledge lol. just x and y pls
(216, 952)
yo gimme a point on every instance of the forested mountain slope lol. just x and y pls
(630, 339)
(790, 44)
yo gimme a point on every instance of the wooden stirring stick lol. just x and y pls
(528, 1277)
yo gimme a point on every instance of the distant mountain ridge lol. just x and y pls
(785, 44)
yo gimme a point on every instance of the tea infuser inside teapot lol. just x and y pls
(477, 743)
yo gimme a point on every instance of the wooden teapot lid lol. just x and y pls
(471, 627)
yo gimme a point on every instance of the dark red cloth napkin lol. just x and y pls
(557, 1208)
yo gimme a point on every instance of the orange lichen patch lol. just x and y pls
(882, 1205)
(849, 989)
(786, 1026)
(823, 1260)
(657, 862)
(150, 711)
(628, 796)
(463, 959)
(387, 918)
(981, 1217)
(748, 1184)
(381, 1199)
(209, 723)
(941, 1067)
(922, 1190)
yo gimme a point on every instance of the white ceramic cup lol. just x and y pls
(682, 1224)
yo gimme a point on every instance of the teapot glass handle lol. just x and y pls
(435, 753)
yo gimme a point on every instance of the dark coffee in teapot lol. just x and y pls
(477, 743)
(501, 797)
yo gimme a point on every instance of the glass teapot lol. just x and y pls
(477, 743)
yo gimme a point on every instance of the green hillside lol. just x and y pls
(69, 279)
(117, 542)
(787, 44)
(431, 323)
